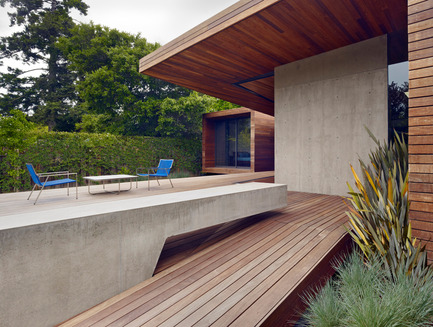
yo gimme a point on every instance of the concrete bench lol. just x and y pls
(72, 259)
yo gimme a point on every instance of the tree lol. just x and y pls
(398, 108)
(50, 95)
(14, 138)
(183, 117)
(105, 62)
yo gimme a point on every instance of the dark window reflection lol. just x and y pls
(233, 143)
(398, 104)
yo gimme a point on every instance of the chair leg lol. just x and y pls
(170, 181)
(42, 188)
(158, 181)
(148, 182)
(34, 186)
(76, 189)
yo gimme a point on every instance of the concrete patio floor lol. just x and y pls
(16, 203)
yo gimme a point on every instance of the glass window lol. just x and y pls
(398, 86)
(233, 143)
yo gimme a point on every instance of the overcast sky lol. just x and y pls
(156, 20)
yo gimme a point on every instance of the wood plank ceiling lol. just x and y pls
(232, 56)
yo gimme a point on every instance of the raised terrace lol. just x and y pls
(64, 256)
(72, 254)
(252, 272)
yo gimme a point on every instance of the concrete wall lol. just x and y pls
(322, 104)
(57, 263)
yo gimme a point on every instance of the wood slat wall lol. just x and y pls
(420, 30)
(264, 147)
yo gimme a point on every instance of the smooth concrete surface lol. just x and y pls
(322, 106)
(57, 263)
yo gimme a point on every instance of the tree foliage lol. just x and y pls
(15, 137)
(90, 80)
(106, 63)
(398, 105)
(183, 117)
(118, 99)
(49, 95)
(14, 130)
(398, 101)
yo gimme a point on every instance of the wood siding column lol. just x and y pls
(420, 30)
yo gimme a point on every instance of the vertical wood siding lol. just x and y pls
(264, 158)
(420, 30)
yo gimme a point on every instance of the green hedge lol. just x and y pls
(97, 154)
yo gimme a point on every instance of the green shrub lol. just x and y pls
(181, 174)
(96, 154)
(15, 137)
(364, 295)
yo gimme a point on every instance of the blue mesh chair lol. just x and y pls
(163, 170)
(42, 180)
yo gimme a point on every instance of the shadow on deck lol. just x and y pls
(251, 272)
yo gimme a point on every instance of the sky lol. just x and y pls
(157, 20)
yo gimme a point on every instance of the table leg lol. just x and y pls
(88, 187)
(119, 189)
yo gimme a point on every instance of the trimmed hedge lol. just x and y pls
(98, 154)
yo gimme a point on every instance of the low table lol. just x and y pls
(104, 178)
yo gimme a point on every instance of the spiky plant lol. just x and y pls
(363, 295)
(379, 211)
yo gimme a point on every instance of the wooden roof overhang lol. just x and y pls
(233, 55)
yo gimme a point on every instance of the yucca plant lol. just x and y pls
(379, 211)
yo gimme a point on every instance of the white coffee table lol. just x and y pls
(109, 178)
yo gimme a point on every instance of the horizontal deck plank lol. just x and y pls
(239, 279)
(245, 298)
(225, 294)
(198, 283)
(162, 284)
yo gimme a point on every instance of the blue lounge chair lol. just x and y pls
(46, 183)
(163, 170)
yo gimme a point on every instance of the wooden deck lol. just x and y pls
(251, 274)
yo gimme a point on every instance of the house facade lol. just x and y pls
(320, 67)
